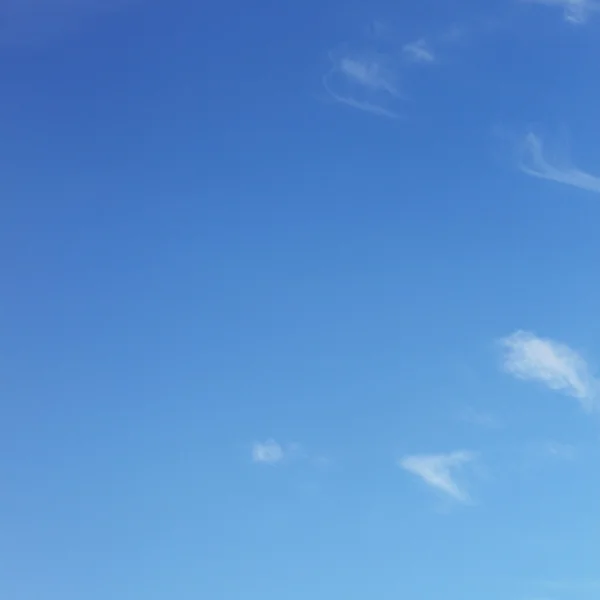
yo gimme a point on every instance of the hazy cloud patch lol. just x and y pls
(551, 363)
(440, 471)
(534, 161)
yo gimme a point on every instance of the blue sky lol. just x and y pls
(300, 300)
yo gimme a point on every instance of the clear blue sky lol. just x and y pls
(300, 300)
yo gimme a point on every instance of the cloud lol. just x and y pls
(366, 81)
(269, 452)
(368, 76)
(575, 11)
(369, 73)
(551, 363)
(419, 51)
(533, 162)
(32, 22)
(437, 470)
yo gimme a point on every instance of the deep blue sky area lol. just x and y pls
(299, 300)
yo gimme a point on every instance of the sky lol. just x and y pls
(299, 300)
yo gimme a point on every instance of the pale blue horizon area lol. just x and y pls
(295, 308)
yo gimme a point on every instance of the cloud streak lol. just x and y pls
(555, 365)
(371, 76)
(574, 11)
(534, 162)
(367, 82)
(419, 52)
(368, 77)
(439, 471)
(369, 73)
(271, 452)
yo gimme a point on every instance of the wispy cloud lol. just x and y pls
(269, 452)
(558, 367)
(575, 11)
(369, 75)
(419, 51)
(534, 162)
(368, 82)
(439, 471)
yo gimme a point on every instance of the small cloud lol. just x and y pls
(368, 77)
(269, 452)
(438, 471)
(551, 363)
(534, 162)
(574, 11)
(370, 73)
(368, 82)
(419, 52)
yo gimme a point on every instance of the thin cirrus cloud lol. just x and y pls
(365, 81)
(419, 51)
(371, 76)
(534, 162)
(439, 471)
(368, 77)
(574, 11)
(555, 365)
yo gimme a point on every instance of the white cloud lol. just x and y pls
(368, 82)
(269, 452)
(575, 11)
(419, 51)
(369, 73)
(533, 162)
(438, 471)
(368, 76)
(557, 366)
